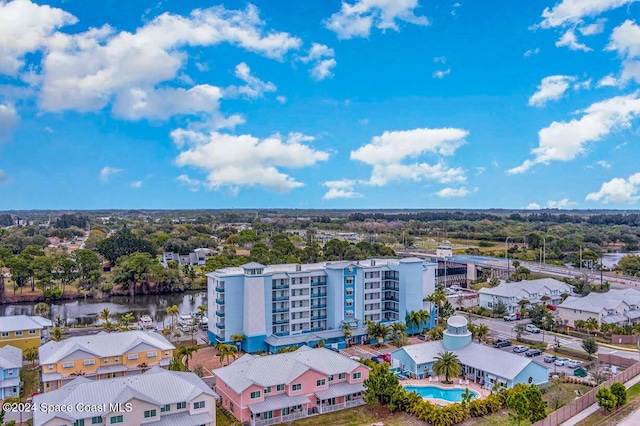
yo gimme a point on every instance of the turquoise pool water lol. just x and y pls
(452, 395)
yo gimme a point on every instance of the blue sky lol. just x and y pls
(353, 104)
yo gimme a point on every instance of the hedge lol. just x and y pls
(574, 353)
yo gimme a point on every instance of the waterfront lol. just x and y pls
(81, 311)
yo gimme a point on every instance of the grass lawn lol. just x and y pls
(498, 419)
(221, 419)
(600, 419)
(360, 416)
(31, 380)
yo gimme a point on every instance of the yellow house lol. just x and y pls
(22, 331)
(102, 356)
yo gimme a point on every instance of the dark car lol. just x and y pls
(533, 352)
(334, 349)
(501, 343)
(580, 372)
(550, 358)
(377, 360)
(422, 337)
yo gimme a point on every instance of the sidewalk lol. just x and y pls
(593, 408)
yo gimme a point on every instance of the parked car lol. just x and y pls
(561, 361)
(377, 360)
(532, 329)
(580, 372)
(550, 358)
(355, 358)
(574, 363)
(552, 307)
(422, 337)
(334, 349)
(501, 343)
(510, 317)
(520, 348)
(533, 352)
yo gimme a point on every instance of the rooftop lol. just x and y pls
(23, 322)
(518, 288)
(596, 302)
(283, 368)
(10, 357)
(102, 345)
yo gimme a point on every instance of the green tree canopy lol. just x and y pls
(124, 243)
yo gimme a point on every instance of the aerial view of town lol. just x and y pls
(329, 212)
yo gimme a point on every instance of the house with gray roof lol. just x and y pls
(265, 390)
(10, 365)
(547, 291)
(480, 363)
(23, 331)
(618, 306)
(156, 398)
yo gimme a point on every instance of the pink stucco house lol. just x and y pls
(265, 390)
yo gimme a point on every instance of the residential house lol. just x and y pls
(547, 291)
(156, 398)
(198, 257)
(102, 356)
(279, 388)
(22, 331)
(480, 363)
(10, 365)
(620, 307)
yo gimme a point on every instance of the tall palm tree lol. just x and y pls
(398, 333)
(438, 297)
(591, 324)
(106, 315)
(424, 317)
(447, 364)
(346, 330)
(412, 319)
(42, 309)
(226, 351)
(238, 338)
(173, 311)
(467, 396)
(482, 331)
(127, 319)
(186, 352)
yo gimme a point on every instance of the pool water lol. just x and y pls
(451, 395)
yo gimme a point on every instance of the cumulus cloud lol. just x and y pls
(340, 189)
(236, 161)
(254, 87)
(533, 206)
(610, 81)
(357, 19)
(565, 203)
(440, 74)
(604, 164)
(570, 40)
(452, 192)
(563, 141)
(532, 52)
(618, 191)
(592, 29)
(8, 121)
(322, 59)
(395, 155)
(551, 89)
(136, 184)
(440, 59)
(568, 12)
(106, 173)
(281, 99)
(625, 39)
(25, 27)
(193, 184)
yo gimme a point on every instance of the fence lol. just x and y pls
(579, 404)
(616, 360)
(618, 339)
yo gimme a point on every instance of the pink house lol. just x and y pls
(265, 390)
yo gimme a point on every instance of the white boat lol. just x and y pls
(146, 322)
(185, 320)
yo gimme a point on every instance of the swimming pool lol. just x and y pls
(451, 394)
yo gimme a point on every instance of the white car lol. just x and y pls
(574, 363)
(532, 328)
(561, 361)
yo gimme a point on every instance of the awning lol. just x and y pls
(632, 314)
(111, 369)
(340, 389)
(613, 319)
(164, 362)
(12, 381)
(47, 377)
(278, 402)
(182, 419)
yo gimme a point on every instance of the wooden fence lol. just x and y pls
(579, 404)
(622, 339)
(612, 359)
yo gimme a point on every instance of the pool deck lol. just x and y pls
(476, 387)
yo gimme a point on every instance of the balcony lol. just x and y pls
(321, 305)
(318, 317)
(220, 326)
(281, 298)
(390, 309)
(280, 310)
(220, 301)
(313, 330)
(281, 286)
(281, 321)
(220, 289)
(281, 333)
(318, 284)
(318, 294)
(220, 313)
(391, 288)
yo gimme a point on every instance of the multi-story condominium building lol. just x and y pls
(102, 356)
(546, 291)
(284, 305)
(284, 387)
(157, 397)
(620, 307)
(22, 331)
(10, 364)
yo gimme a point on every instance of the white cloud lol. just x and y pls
(532, 52)
(618, 191)
(340, 189)
(586, 85)
(363, 121)
(550, 89)
(322, 59)
(89, 70)
(48, 129)
(452, 192)
(569, 12)
(563, 141)
(480, 170)
(593, 29)
(3, 176)
(565, 203)
(604, 164)
(533, 206)
(625, 39)
(255, 88)
(391, 152)
(357, 19)
(281, 99)
(136, 184)
(440, 59)
(235, 161)
(8, 121)
(441, 73)
(570, 40)
(610, 81)
(106, 173)
(193, 184)
(25, 27)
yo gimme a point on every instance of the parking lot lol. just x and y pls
(553, 369)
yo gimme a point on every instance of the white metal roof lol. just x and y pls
(102, 345)
(182, 419)
(10, 357)
(340, 389)
(23, 322)
(527, 288)
(278, 402)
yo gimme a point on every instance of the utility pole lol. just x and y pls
(581, 258)
(506, 255)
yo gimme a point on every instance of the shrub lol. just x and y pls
(620, 392)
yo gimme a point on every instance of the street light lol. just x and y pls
(506, 255)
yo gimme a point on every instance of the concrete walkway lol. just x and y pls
(595, 407)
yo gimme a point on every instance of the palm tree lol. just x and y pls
(106, 315)
(226, 351)
(412, 319)
(42, 309)
(398, 333)
(467, 396)
(447, 364)
(346, 330)
(127, 319)
(438, 297)
(482, 330)
(56, 334)
(202, 309)
(591, 324)
(238, 339)
(378, 331)
(173, 311)
(424, 317)
(186, 352)
(31, 354)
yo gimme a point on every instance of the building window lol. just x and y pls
(331, 378)
(231, 407)
(105, 360)
(5, 334)
(116, 420)
(181, 405)
(349, 291)
(152, 354)
(341, 376)
(349, 302)
(267, 390)
(79, 422)
(132, 356)
(50, 366)
(255, 395)
(19, 333)
(32, 332)
(116, 358)
(166, 353)
(320, 383)
(89, 362)
(165, 408)
(296, 387)
(149, 413)
(96, 420)
(280, 388)
(356, 376)
(200, 404)
(67, 364)
(349, 280)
